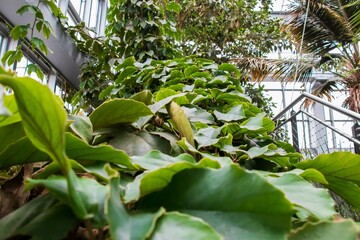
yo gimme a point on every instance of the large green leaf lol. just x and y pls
(341, 170)
(344, 230)
(179, 226)
(43, 118)
(10, 104)
(123, 225)
(151, 181)
(21, 152)
(207, 136)
(316, 201)
(272, 153)
(138, 144)
(118, 111)
(81, 151)
(155, 159)
(257, 124)
(10, 134)
(82, 127)
(196, 114)
(91, 194)
(233, 201)
(342, 165)
(234, 114)
(43, 218)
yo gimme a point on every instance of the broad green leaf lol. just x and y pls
(123, 225)
(126, 63)
(82, 127)
(344, 230)
(314, 175)
(97, 169)
(79, 150)
(138, 144)
(174, 7)
(259, 123)
(128, 71)
(234, 114)
(227, 67)
(155, 159)
(342, 165)
(223, 161)
(43, 218)
(160, 104)
(44, 124)
(10, 134)
(91, 194)
(196, 114)
(233, 201)
(10, 104)
(145, 97)
(155, 180)
(181, 122)
(272, 153)
(341, 170)
(21, 151)
(179, 226)
(349, 191)
(207, 136)
(118, 111)
(316, 201)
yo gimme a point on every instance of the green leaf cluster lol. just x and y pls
(179, 160)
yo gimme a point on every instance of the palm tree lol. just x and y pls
(330, 40)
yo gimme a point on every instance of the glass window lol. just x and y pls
(79, 6)
(21, 70)
(95, 12)
(3, 45)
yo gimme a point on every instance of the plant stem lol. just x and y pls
(88, 226)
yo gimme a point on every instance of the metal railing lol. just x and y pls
(322, 128)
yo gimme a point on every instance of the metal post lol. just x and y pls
(294, 131)
(356, 134)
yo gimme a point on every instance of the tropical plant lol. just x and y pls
(164, 163)
(329, 42)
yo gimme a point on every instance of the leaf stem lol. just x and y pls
(88, 226)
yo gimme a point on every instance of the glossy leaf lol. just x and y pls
(151, 181)
(81, 151)
(196, 114)
(44, 124)
(123, 225)
(10, 134)
(118, 111)
(12, 113)
(179, 226)
(21, 151)
(155, 159)
(233, 201)
(259, 123)
(138, 144)
(234, 114)
(82, 127)
(316, 201)
(344, 230)
(91, 194)
(44, 218)
(144, 97)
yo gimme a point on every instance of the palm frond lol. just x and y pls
(257, 69)
(322, 90)
(327, 26)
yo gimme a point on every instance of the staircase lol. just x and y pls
(321, 128)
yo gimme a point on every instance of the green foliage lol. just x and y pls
(126, 171)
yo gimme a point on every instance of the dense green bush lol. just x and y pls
(167, 163)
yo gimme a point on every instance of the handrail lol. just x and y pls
(354, 140)
(344, 111)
